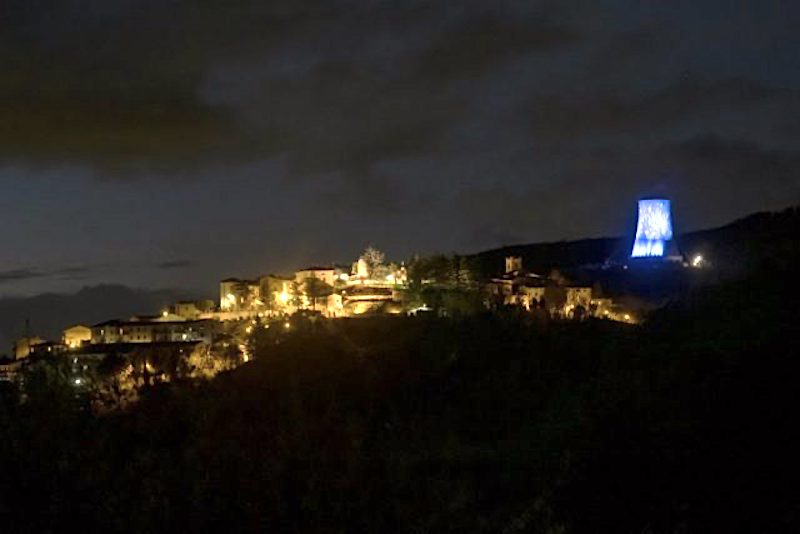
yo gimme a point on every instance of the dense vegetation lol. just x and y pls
(479, 423)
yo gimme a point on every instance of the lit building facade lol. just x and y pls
(75, 336)
(325, 274)
(24, 346)
(193, 309)
(151, 331)
(237, 295)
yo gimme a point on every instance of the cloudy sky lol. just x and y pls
(169, 143)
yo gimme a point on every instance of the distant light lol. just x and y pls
(697, 261)
(283, 297)
(627, 317)
(164, 313)
(287, 325)
(78, 381)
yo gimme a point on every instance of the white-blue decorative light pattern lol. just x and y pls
(653, 230)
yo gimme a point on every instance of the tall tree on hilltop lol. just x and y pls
(374, 259)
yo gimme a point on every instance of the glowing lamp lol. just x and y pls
(653, 230)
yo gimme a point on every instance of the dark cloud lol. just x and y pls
(566, 117)
(15, 275)
(174, 264)
(473, 48)
(81, 272)
(708, 166)
(151, 87)
(416, 125)
(24, 274)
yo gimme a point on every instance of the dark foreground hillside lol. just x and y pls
(495, 424)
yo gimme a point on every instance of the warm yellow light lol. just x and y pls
(283, 296)
(287, 325)
(164, 313)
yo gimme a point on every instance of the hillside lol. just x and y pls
(733, 249)
(481, 424)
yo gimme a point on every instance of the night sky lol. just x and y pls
(171, 143)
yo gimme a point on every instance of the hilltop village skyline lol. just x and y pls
(374, 285)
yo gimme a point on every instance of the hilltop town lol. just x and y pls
(216, 335)
(200, 338)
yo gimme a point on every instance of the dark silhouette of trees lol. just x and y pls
(476, 422)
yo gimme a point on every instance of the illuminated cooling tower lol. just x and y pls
(654, 229)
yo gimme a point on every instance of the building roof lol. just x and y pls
(110, 322)
(316, 269)
(117, 322)
(279, 277)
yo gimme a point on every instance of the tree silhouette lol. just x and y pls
(314, 288)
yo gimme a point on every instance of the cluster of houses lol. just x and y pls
(90, 344)
(553, 294)
(368, 286)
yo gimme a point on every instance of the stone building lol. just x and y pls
(75, 336)
(151, 331)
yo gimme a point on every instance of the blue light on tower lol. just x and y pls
(653, 230)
